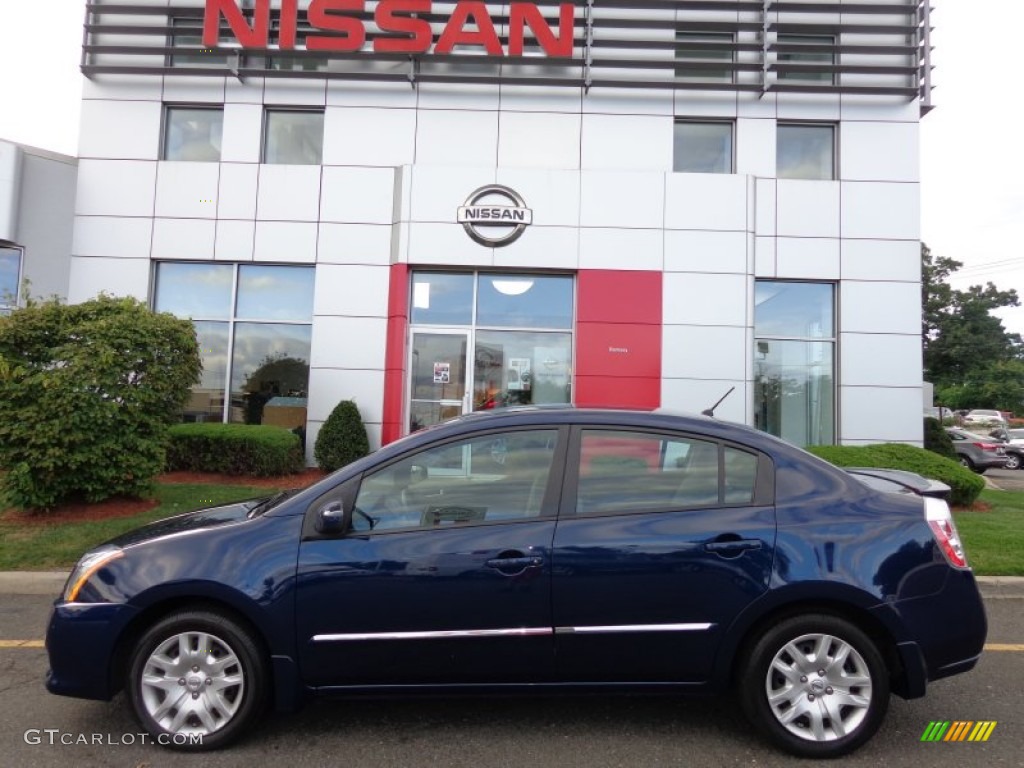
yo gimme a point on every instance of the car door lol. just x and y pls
(663, 539)
(445, 575)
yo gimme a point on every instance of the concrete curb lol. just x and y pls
(51, 583)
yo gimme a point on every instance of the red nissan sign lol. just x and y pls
(405, 32)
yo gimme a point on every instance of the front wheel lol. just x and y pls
(815, 685)
(1012, 461)
(197, 680)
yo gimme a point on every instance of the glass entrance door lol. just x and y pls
(438, 377)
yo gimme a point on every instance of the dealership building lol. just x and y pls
(434, 208)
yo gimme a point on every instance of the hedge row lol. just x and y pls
(234, 449)
(965, 484)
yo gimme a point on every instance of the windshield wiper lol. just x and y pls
(271, 502)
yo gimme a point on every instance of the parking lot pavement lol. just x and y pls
(591, 732)
(1006, 479)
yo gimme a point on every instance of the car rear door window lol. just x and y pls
(635, 471)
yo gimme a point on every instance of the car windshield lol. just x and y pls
(1016, 434)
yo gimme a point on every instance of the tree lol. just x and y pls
(342, 438)
(968, 354)
(87, 394)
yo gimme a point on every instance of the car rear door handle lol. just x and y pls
(731, 547)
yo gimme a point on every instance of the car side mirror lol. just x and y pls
(333, 519)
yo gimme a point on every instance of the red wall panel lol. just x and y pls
(618, 339)
(395, 353)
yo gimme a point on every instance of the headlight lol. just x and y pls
(87, 566)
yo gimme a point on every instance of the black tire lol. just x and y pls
(966, 462)
(207, 658)
(1012, 461)
(808, 700)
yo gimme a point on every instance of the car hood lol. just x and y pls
(210, 517)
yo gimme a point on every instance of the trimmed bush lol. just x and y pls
(965, 484)
(234, 449)
(87, 394)
(937, 439)
(342, 438)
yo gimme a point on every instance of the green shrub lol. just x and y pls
(342, 438)
(234, 449)
(965, 484)
(937, 439)
(87, 394)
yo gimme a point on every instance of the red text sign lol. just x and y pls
(470, 24)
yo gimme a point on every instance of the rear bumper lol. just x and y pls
(80, 641)
(944, 633)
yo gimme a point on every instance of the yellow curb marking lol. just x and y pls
(1004, 647)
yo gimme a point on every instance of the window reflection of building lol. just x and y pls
(794, 351)
(255, 358)
(10, 278)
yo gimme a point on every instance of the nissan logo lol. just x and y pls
(494, 215)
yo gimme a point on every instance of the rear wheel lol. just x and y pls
(815, 685)
(197, 680)
(1012, 461)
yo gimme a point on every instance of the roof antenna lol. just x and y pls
(711, 411)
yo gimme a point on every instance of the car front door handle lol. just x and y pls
(514, 561)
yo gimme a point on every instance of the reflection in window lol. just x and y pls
(195, 290)
(294, 137)
(805, 151)
(632, 471)
(275, 293)
(702, 147)
(794, 361)
(263, 365)
(702, 48)
(496, 478)
(817, 50)
(270, 374)
(10, 277)
(193, 133)
(524, 301)
(794, 310)
(442, 298)
(521, 368)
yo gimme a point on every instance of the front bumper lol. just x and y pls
(80, 640)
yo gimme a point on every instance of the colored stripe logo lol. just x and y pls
(958, 730)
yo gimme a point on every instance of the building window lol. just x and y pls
(810, 51)
(485, 340)
(805, 151)
(10, 278)
(193, 133)
(293, 137)
(705, 56)
(187, 33)
(254, 325)
(794, 361)
(702, 147)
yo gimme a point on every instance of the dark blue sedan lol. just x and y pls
(528, 550)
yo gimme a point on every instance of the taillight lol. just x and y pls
(987, 446)
(940, 520)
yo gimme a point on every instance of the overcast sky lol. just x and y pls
(972, 160)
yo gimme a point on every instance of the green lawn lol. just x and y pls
(32, 546)
(994, 540)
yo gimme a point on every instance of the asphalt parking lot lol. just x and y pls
(1007, 479)
(593, 732)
